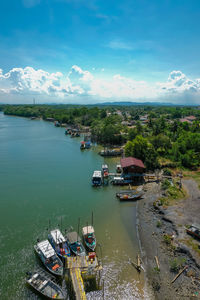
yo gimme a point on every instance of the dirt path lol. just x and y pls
(153, 226)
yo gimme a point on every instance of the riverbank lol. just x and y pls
(162, 234)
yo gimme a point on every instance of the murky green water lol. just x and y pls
(44, 176)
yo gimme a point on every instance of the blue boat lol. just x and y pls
(87, 145)
(75, 244)
(59, 243)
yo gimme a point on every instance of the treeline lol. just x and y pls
(163, 136)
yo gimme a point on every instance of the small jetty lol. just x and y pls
(76, 266)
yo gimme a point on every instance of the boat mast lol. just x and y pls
(78, 228)
(92, 218)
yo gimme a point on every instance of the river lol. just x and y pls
(44, 176)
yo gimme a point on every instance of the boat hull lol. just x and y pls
(50, 291)
(47, 266)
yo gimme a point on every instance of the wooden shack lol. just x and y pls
(132, 167)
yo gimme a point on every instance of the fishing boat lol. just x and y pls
(82, 146)
(49, 258)
(87, 144)
(126, 192)
(75, 244)
(97, 178)
(119, 169)
(89, 237)
(59, 243)
(105, 170)
(130, 197)
(57, 124)
(111, 152)
(44, 285)
(194, 231)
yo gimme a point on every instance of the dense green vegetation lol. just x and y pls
(151, 133)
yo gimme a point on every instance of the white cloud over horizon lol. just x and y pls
(81, 86)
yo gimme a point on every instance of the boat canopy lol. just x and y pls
(57, 236)
(97, 174)
(46, 248)
(104, 167)
(87, 229)
(73, 237)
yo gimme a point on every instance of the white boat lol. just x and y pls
(97, 178)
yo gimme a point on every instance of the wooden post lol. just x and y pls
(179, 274)
(138, 261)
(157, 262)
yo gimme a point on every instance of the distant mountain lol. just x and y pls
(135, 103)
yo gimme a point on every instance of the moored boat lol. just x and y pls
(89, 237)
(119, 169)
(75, 244)
(97, 178)
(59, 243)
(130, 196)
(82, 146)
(105, 170)
(87, 144)
(49, 258)
(44, 285)
(111, 152)
(194, 231)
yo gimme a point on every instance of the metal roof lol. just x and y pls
(46, 248)
(131, 161)
(97, 174)
(57, 236)
(87, 229)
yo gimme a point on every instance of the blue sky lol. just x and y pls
(88, 51)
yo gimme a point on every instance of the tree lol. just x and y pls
(142, 149)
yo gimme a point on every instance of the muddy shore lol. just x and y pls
(162, 234)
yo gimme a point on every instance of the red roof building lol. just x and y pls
(132, 165)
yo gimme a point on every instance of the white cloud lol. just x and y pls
(29, 80)
(81, 85)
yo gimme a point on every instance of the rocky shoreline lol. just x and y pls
(162, 234)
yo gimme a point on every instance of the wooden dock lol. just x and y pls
(76, 266)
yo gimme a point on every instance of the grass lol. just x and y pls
(193, 244)
(173, 194)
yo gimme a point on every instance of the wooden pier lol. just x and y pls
(76, 266)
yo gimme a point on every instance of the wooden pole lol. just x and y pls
(138, 261)
(157, 262)
(179, 274)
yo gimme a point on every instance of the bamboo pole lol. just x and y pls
(179, 274)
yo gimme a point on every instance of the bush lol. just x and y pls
(167, 172)
(165, 184)
(176, 264)
(159, 224)
(167, 239)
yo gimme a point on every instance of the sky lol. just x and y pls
(89, 51)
